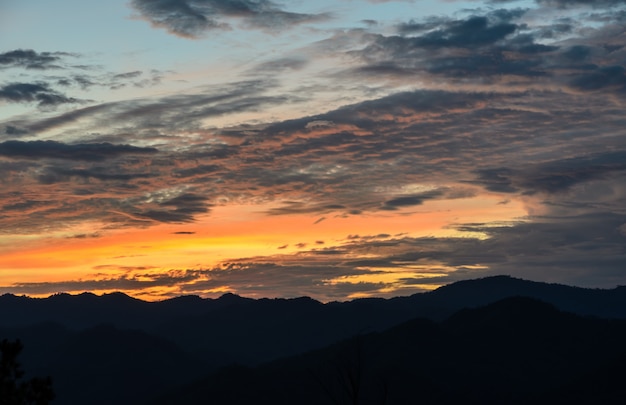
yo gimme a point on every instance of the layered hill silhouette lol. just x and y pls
(475, 340)
(515, 351)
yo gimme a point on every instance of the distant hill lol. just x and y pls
(109, 338)
(609, 303)
(515, 351)
(85, 310)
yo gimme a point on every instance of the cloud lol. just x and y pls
(279, 66)
(410, 200)
(58, 174)
(192, 108)
(578, 3)
(415, 26)
(192, 18)
(296, 207)
(29, 59)
(26, 205)
(197, 170)
(345, 167)
(119, 283)
(179, 209)
(128, 75)
(558, 175)
(42, 125)
(39, 93)
(58, 150)
(472, 32)
(44, 89)
(110, 80)
(503, 47)
(14, 131)
(157, 114)
(584, 249)
(602, 78)
(496, 179)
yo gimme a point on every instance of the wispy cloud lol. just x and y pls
(38, 93)
(192, 18)
(30, 59)
(498, 48)
(58, 150)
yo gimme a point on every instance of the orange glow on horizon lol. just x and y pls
(232, 232)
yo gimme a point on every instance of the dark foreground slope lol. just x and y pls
(515, 351)
(116, 349)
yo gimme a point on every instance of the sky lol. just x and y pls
(332, 149)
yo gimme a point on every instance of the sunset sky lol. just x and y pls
(335, 149)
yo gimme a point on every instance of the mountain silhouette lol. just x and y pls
(122, 350)
(515, 351)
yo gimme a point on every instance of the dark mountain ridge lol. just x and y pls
(86, 309)
(515, 351)
(110, 338)
(604, 303)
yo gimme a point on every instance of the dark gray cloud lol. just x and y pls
(296, 207)
(179, 209)
(601, 78)
(292, 280)
(85, 236)
(584, 249)
(410, 200)
(578, 3)
(26, 205)
(40, 93)
(111, 80)
(89, 77)
(193, 107)
(159, 115)
(555, 30)
(496, 179)
(278, 66)
(14, 131)
(60, 174)
(417, 26)
(29, 59)
(136, 78)
(81, 80)
(41, 125)
(128, 75)
(558, 175)
(476, 47)
(197, 170)
(500, 48)
(192, 18)
(472, 32)
(58, 150)
(119, 283)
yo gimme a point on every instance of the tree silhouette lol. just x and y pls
(13, 391)
(349, 379)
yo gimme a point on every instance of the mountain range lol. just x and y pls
(490, 340)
